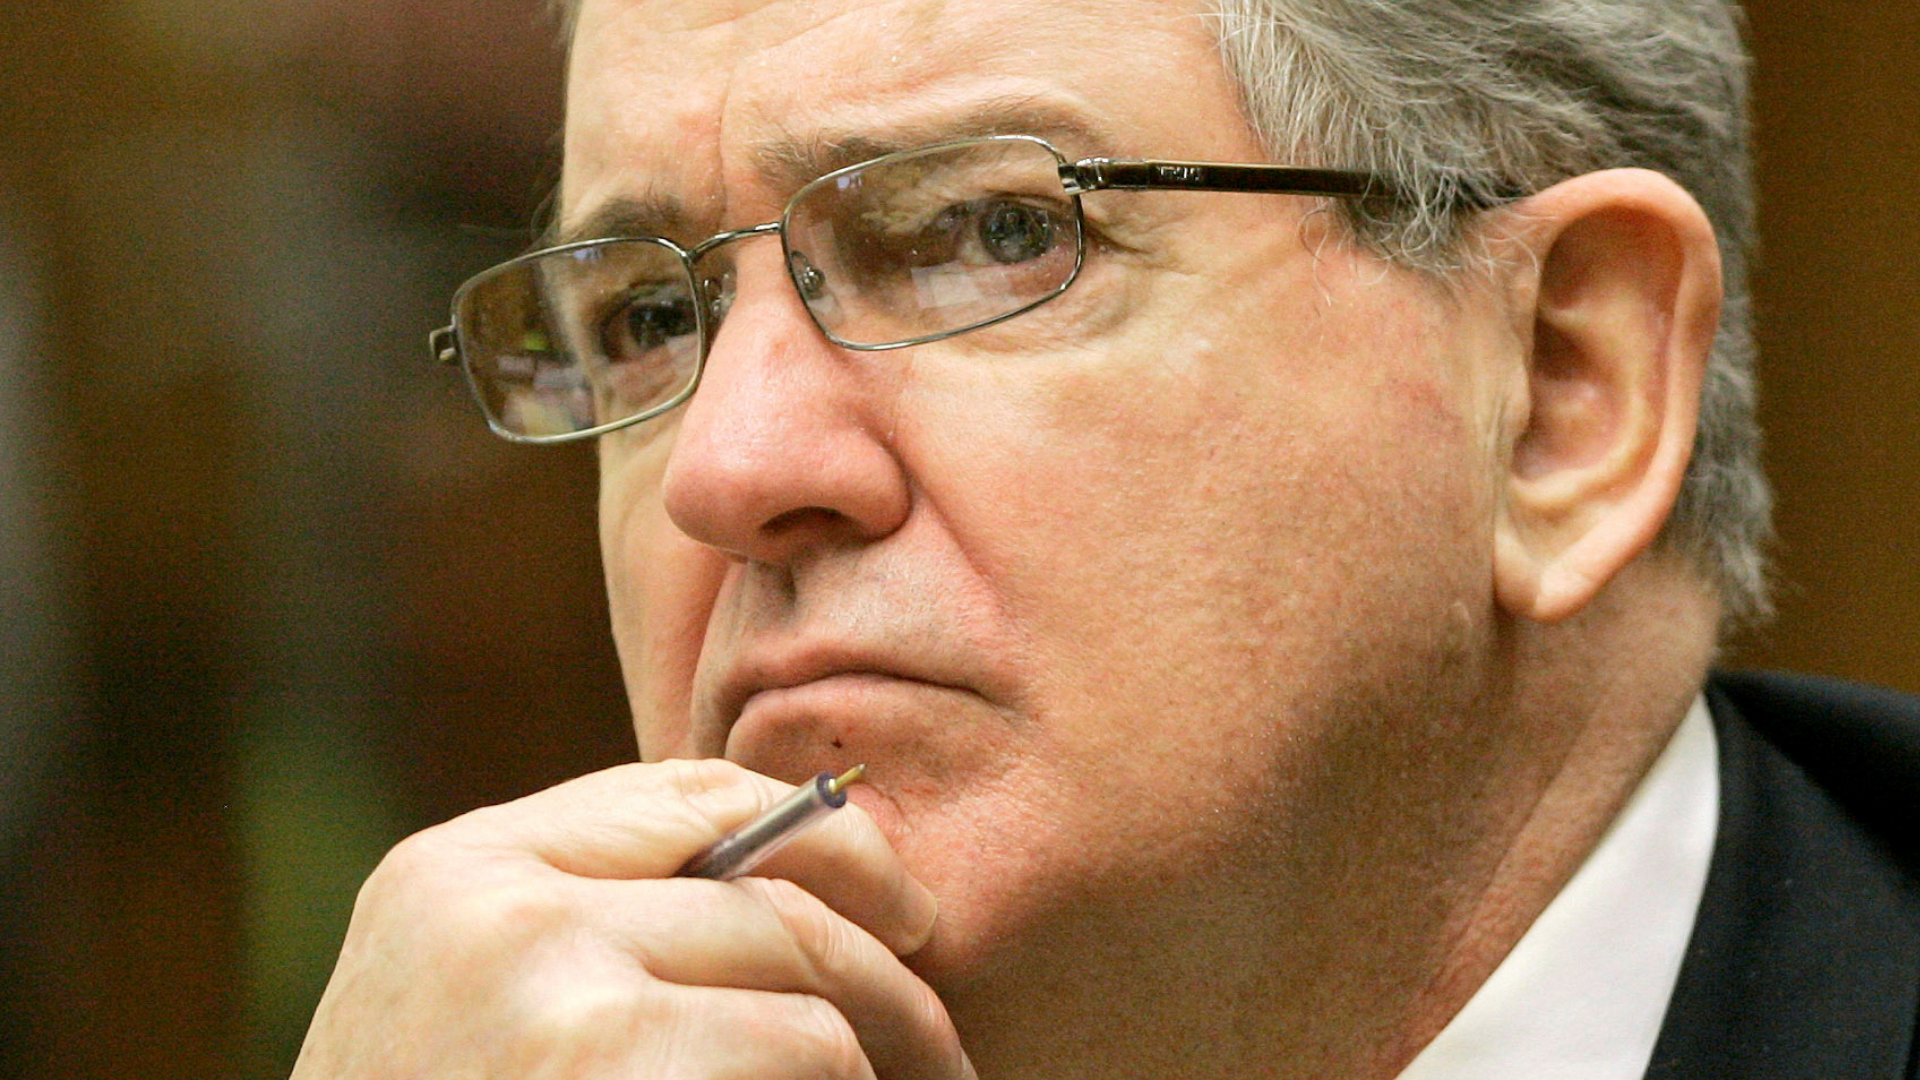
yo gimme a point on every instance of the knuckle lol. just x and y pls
(692, 777)
(415, 857)
(673, 1035)
(825, 939)
(829, 1040)
(409, 874)
(502, 912)
(926, 1012)
(577, 1003)
(468, 903)
(714, 791)
(574, 1012)
(699, 798)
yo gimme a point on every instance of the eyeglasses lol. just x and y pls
(573, 341)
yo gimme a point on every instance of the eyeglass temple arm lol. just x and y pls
(1096, 174)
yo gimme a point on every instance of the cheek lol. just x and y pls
(660, 590)
(1204, 531)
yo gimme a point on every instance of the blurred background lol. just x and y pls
(272, 599)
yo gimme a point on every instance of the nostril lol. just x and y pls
(799, 519)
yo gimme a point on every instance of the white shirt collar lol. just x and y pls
(1582, 994)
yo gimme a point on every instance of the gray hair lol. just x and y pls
(1455, 101)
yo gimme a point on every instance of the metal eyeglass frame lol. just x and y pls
(1076, 179)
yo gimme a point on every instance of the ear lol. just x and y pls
(1624, 298)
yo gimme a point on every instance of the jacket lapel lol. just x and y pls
(1805, 958)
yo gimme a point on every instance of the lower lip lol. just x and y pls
(857, 710)
(916, 738)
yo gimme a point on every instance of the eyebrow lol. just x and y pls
(648, 213)
(789, 162)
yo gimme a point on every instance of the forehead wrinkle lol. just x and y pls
(779, 148)
(788, 160)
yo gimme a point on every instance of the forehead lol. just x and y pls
(688, 101)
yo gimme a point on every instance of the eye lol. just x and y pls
(995, 231)
(1015, 232)
(651, 343)
(648, 322)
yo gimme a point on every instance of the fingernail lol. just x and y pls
(966, 1067)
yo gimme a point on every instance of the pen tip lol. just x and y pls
(852, 776)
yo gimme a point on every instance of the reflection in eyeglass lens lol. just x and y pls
(651, 345)
(626, 312)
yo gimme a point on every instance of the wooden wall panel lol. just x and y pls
(1837, 104)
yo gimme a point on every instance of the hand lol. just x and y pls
(543, 940)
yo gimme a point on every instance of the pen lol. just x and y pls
(742, 849)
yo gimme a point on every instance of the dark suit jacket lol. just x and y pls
(1805, 959)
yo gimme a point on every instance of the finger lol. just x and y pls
(761, 1035)
(834, 860)
(647, 820)
(771, 935)
(662, 1030)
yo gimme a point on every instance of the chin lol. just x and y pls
(1006, 895)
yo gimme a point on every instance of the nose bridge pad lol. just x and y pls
(812, 284)
(806, 276)
(718, 292)
(719, 289)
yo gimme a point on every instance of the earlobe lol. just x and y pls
(1624, 298)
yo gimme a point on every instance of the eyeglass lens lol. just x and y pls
(933, 242)
(904, 249)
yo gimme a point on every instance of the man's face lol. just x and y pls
(1177, 590)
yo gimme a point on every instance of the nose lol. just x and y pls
(785, 446)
